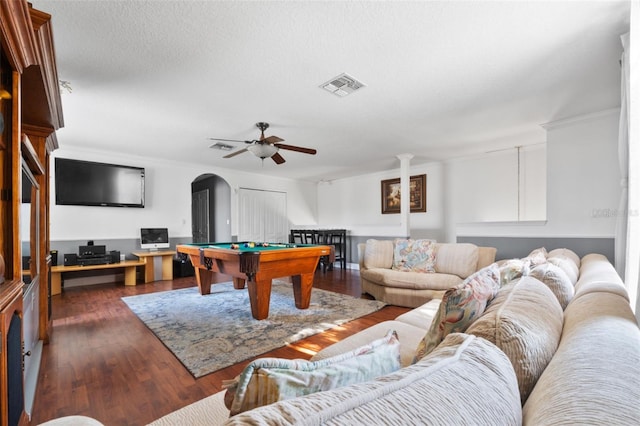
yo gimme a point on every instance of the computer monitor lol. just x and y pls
(154, 238)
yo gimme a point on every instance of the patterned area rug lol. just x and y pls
(208, 333)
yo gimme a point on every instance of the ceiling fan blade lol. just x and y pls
(297, 148)
(233, 154)
(227, 140)
(277, 158)
(272, 139)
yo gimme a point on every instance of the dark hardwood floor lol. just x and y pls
(104, 363)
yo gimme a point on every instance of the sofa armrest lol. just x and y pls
(361, 247)
(486, 256)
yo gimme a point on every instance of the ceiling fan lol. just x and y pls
(266, 146)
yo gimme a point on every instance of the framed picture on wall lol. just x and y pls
(390, 195)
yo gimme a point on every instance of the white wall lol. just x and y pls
(581, 169)
(354, 203)
(472, 189)
(582, 182)
(168, 199)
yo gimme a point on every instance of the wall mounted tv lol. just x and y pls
(85, 183)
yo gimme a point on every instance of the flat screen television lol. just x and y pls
(85, 183)
(154, 238)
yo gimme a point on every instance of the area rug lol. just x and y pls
(208, 333)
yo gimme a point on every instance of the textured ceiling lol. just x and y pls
(443, 78)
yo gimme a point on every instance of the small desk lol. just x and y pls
(128, 265)
(148, 257)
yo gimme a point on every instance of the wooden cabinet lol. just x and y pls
(30, 114)
(11, 356)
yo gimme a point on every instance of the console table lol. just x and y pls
(148, 258)
(128, 265)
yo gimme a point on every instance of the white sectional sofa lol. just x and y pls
(453, 263)
(524, 361)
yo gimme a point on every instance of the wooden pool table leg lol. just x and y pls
(238, 283)
(204, 278)
(302, 285)
(260, 297)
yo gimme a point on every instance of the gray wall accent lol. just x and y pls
(511, 247)
(516, 247)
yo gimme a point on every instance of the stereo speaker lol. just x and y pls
(70, 259)
(114, 256)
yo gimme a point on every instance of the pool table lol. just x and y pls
(256, 267)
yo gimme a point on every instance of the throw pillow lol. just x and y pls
(460, 307)
(557, 280)
(268, 380)
(512, 269)
(537, 256)
(413, 255)
(525, 322)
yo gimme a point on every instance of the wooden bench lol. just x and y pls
(128, 265)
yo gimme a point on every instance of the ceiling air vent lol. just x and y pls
(221, 146)
(342, 85)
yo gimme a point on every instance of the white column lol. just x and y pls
(405, 208)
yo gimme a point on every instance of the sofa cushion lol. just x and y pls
(209, 411)
(460, 307)
(459, 259)
(567, 265)
(412, 280)
(467, 380)
(565, 252)
(267, 380)
(422, 316)
(378, 254)
(557, 280)
(413, 255)
(525, 321)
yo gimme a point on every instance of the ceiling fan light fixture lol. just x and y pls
(262, 150)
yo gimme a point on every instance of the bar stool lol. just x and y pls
(338, 239)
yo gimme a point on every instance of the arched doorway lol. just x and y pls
(210, 209)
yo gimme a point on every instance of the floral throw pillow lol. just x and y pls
(460, 307)
(414, 255)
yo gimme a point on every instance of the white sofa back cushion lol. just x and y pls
(459, 259)
(525, 321)
(378, 254)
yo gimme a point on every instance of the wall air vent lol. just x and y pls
(221, 146)
(342, 85)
